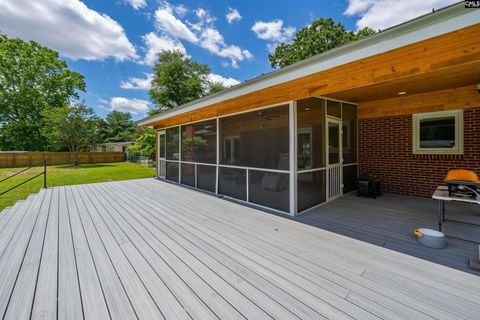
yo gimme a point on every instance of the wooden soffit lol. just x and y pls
(447, 61)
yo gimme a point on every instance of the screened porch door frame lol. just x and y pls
(161, 160)
(334, 177)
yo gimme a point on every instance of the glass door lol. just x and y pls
(161, 170)
(334, 160)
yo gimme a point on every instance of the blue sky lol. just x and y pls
(113, 43)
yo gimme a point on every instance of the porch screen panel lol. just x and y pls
(161, 143)
(199, 142)
(206, 177)
(162, 168)
(270, 189)
(334, 108)
(311, 188)
(257, 139)
(311, 134)
(188, 174)
(172, 171)
(333, 143)
(349, 178)
(233, 182)
(349, 128)
(172, 136)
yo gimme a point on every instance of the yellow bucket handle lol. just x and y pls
(418, 233)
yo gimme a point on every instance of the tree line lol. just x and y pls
(41, 110)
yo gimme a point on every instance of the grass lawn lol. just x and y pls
(64, 175)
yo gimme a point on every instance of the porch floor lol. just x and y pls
(146, 249)
(389, 221)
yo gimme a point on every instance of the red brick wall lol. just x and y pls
(385, 150)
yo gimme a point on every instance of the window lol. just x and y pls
(311, 189)
(438, 132)
(188, 174)
(161, 146)
(270, 189)
(311, 133)
(257, 139)
(349, 133)
(231, 149)
(172, 143)
(199, 142)
(334, 109)
(206, 177)
(172, 171)
(233, 183)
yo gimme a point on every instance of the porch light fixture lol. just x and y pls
(402, 93)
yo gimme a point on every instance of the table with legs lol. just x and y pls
(441, 195)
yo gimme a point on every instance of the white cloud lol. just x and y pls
(69, 27)
(168, 23)
(213, 41)
(138, 83)
(172, 30)
(204, 16)
(226, 82)
(181, 10)
(381, 14)
(233, 15)
(137, 4)
(273, 31)
(200, 12)
(134, 106)
(155, 44)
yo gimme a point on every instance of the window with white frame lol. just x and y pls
(438, 132)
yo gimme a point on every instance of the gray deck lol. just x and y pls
(389, 221)
(150, 250)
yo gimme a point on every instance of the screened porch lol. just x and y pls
(287, 157)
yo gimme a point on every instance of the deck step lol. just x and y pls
(4, 211)
(8, 212)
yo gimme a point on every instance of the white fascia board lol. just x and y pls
(449, 19)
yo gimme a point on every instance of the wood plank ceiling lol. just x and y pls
(448, 61)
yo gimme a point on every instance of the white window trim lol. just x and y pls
(416, 118)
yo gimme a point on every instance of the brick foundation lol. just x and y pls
(385, 150)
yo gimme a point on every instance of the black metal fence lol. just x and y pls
(44, 173)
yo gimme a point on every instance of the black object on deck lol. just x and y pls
(369, 186)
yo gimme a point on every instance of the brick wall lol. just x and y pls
(385, 150)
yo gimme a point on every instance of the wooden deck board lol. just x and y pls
(117, 299)
(239, 278)
(146, 249)
(326, 297)
(69, 296)
(45, 301)
(276, 257)
(26, 256)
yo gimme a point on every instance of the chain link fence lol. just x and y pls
(141, 160)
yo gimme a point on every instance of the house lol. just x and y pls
(403, 104)
(116, 146)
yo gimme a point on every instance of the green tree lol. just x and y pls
(145, 144)
(215, 87)
(178, 80)
(118, 127)
(32, 79)
(73, 128)
(191, 145)
(321, 35)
